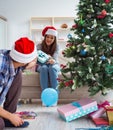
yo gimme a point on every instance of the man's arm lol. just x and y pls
(13, 118)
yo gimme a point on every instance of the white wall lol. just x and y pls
(3, 33)
(18, 13)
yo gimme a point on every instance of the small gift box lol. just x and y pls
(97, 128)
(42, 57)
(101, 110)
(101, 121)
(77, 109)
(109, 111)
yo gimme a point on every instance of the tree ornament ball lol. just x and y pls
(49, 96)
(83, 52)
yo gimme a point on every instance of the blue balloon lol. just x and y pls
(49, 96)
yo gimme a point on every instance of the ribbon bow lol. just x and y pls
(41, 55)
(76, 104)
(110, 35)
(104, 104)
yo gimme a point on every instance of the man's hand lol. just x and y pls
(31, 64)
(16, 120)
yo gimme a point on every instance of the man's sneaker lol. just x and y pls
(8, 124)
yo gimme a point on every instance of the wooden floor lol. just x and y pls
(48, 119)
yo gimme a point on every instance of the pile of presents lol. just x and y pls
(101, 114)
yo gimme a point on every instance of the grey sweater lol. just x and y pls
(55, 55)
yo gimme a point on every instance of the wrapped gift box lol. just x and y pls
(101, 121)
(77, 109)
(97, 128)
(101, 110)
(42, 57)
(109, 111)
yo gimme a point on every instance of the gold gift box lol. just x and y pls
(109, 111)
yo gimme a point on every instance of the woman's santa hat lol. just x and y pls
(49, 30)
(23, 51)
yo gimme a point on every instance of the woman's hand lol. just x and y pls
(51, 61)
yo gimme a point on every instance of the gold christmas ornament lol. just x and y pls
(64, 25)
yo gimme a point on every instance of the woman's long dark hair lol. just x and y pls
(51, 49)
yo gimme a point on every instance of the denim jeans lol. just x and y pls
(48, 73)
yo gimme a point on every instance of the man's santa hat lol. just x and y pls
(49, 30)
(23, 51)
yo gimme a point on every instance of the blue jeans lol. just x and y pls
(48, 73)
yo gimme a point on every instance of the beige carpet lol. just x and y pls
(48, 119)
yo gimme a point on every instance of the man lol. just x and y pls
(12, 62)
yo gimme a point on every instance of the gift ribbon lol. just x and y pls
(41, 55)
(104, 104)
(76, 104)
(109, 109)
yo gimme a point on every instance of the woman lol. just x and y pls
(49, 70)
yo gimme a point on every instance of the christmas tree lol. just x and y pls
(91, 47)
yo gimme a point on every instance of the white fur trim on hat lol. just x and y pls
(23, 58)
(51, 32)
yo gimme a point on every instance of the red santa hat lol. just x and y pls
(23, 51)
(49, 30)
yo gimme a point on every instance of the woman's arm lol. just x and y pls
(55, 55)
(54, 58)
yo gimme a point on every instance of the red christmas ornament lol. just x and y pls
(104, 12)
(63, 66)
(59, 80)
(69, 45)
(112, 52)
(74, 26)
(68, 83)
(63, 52)
(102, 15)
(110, 35)
(107, 1)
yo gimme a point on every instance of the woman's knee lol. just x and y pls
(44, 68)
(54, 68)
(2, 124)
